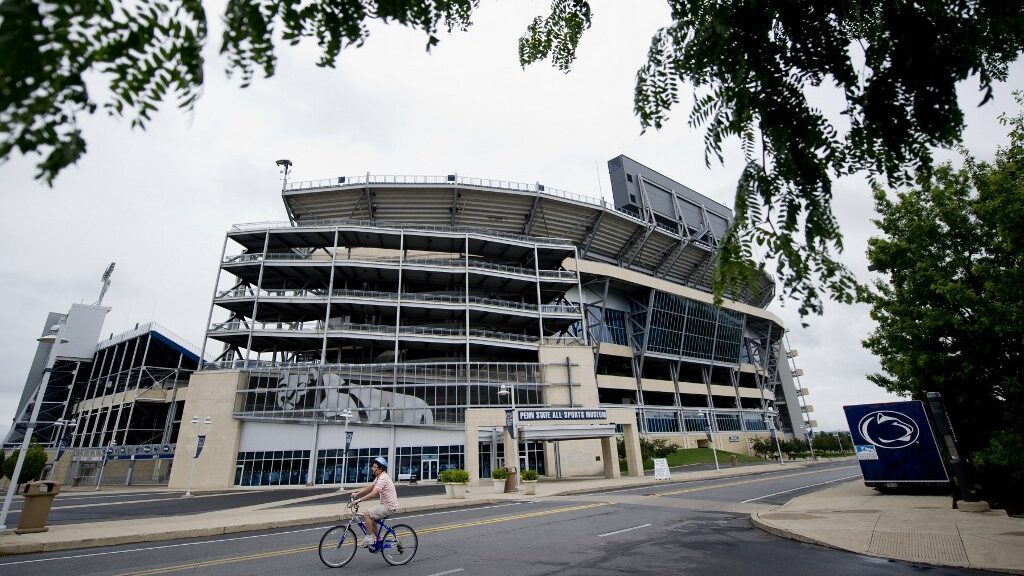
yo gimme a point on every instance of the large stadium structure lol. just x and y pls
(414, 311)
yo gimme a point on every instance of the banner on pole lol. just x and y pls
(200, 442)
(348, 439)
(510, 422)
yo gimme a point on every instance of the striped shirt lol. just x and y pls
(388, 496)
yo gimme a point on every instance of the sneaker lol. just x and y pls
(367, 541)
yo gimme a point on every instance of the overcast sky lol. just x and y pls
(159, 202)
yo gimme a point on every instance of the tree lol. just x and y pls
(752, 66)
(31, 468)
(951, 313)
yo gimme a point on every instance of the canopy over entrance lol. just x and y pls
(592, 433)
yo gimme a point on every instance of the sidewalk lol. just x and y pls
(923, 529)
(849, 517)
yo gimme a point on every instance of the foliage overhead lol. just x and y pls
(752, 66)
(950, 313)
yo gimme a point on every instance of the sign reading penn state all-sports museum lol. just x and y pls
(530, 415)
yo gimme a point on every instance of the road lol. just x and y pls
(77, 507)
(673, 528)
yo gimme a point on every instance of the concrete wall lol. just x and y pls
(210, 394)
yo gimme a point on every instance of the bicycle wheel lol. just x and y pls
(400, 544)
(338, 546)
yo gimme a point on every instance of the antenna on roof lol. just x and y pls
(287, 164)
(106, 283)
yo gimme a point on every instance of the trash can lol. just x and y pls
(732, 461)
(511, 481)
(38, 499)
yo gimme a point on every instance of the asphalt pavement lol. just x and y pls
(843, 515)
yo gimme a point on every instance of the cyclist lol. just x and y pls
(383, 486)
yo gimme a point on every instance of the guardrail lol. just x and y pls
(317, 327)
(452, 263)
(321, 294)
(385, 225)
(449, 180)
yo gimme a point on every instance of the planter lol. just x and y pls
(499, 486)
(449, 489)
(458, 491)
(529, 487)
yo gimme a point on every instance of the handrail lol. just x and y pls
(319, 293)
(356, 181)
(317, 326)
(443, 262)
(385, 225)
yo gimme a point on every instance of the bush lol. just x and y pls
(443, 477)
(529, 475)
(764, 447)
(650, 448)
(31, 469)
(499, 473)
(458, 476)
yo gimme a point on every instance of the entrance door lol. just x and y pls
(428, 467)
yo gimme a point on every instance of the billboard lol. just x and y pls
(895, 444)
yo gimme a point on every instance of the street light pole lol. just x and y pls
(711, 438)
(507, 390)
(107, 453)
(55, 340)
(199, 434)
(347, 415)
(769, 422)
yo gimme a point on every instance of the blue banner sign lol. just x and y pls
(895, 444)
(510, 422)
(141, 452)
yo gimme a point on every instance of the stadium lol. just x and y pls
(454, 322)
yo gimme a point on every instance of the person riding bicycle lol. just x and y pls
(383, 486)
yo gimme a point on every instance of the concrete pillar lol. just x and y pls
(610, 455)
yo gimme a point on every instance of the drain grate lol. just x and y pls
(923, 546)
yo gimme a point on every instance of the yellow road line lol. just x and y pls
(287, 551)
(739, 482)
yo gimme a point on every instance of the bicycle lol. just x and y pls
(397, 544)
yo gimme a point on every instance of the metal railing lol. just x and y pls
(453, 263)
(356, 181)
(409, 226)
(317, 327)
(321, 294)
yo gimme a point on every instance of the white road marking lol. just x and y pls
(447, 572)
(233, 539)
(623, 530)
(800, 488)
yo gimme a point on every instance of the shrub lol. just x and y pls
(499, 473)
(458, 476)
(649, 448)
(31, 469)
(529, 475)
(443, 477)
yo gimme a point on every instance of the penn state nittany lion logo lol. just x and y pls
(887, 429)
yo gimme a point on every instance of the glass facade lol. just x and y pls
(427, 394)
